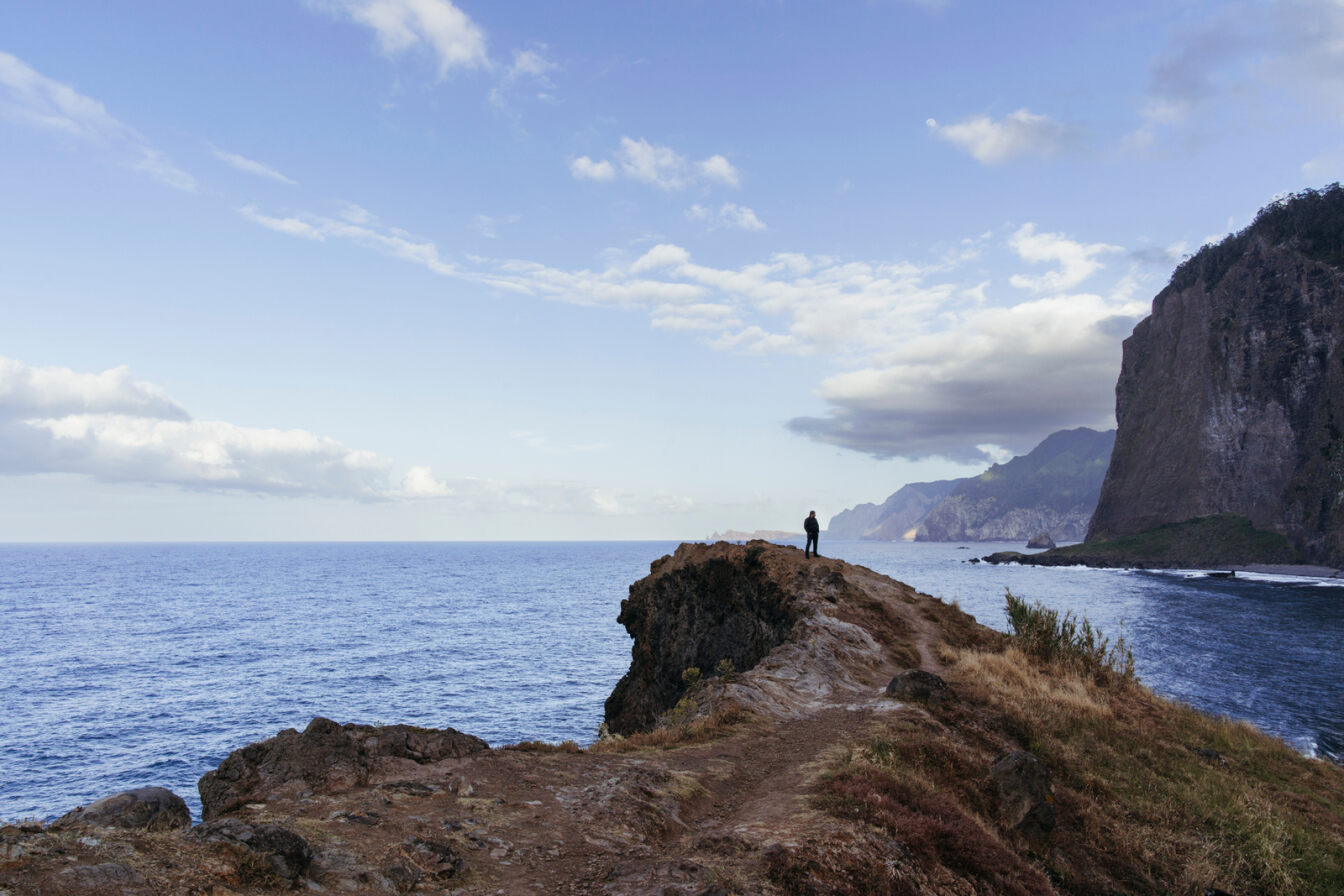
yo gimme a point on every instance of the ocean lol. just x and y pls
(127, 665)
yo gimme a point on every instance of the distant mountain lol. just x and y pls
(894, 517)
(1052, 489)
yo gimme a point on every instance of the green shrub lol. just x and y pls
(1067, 641)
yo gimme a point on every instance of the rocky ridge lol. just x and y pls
(859, 740)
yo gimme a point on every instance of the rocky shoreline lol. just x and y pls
(787, 726)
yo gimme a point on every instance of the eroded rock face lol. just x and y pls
(802, 634)
(1231, 394)
(145, 808)
(325, 756)
(695, 609)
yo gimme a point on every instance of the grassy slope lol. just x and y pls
(1226, 539)
(1152, 797)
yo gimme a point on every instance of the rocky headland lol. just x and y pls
(787, 726)
(1050, 490)
(1230, 398)
(895, 518)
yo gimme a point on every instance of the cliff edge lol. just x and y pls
(795, 727)
(1231, 393)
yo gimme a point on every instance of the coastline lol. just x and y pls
(898, 722)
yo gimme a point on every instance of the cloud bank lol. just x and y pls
(932, 357)
(113, 428)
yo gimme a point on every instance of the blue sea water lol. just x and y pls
(129, 665)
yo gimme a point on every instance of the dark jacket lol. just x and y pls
(811, 526)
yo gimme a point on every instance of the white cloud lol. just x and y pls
(663, 255)
(659, 166)
(1077, 261)
(1020, 133)
(585, 168)
(529, 73)
(47, 391)
(115, 429)
(730, 214)
(360, 228)
(36, 100)
(249, 165)
(401, 25)
(1001, 376)
(420, 482)
(717, 168)
(934, 358)
(111, 427)
(292, 226)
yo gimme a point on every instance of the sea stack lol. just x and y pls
(1231, 393)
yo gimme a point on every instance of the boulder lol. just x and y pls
(1041, 540)
(326, 756)
(145, 808)
(916, 684)
(1025, 793)
(284, 852)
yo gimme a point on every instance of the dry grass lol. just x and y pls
(1142, 810)
(725, 721)
(1152, 796)
(541, 746)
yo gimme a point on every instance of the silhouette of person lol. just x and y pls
(813, 529)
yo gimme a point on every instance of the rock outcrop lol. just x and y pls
(144, 809)
(786, 626)
(1053, 488)
(327, 755)
(1231, 393)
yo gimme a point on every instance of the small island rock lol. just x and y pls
(1041, 540)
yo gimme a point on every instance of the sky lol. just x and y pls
(431, 270)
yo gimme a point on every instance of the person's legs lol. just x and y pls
(811, 547)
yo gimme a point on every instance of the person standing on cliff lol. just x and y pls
(813, 530)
